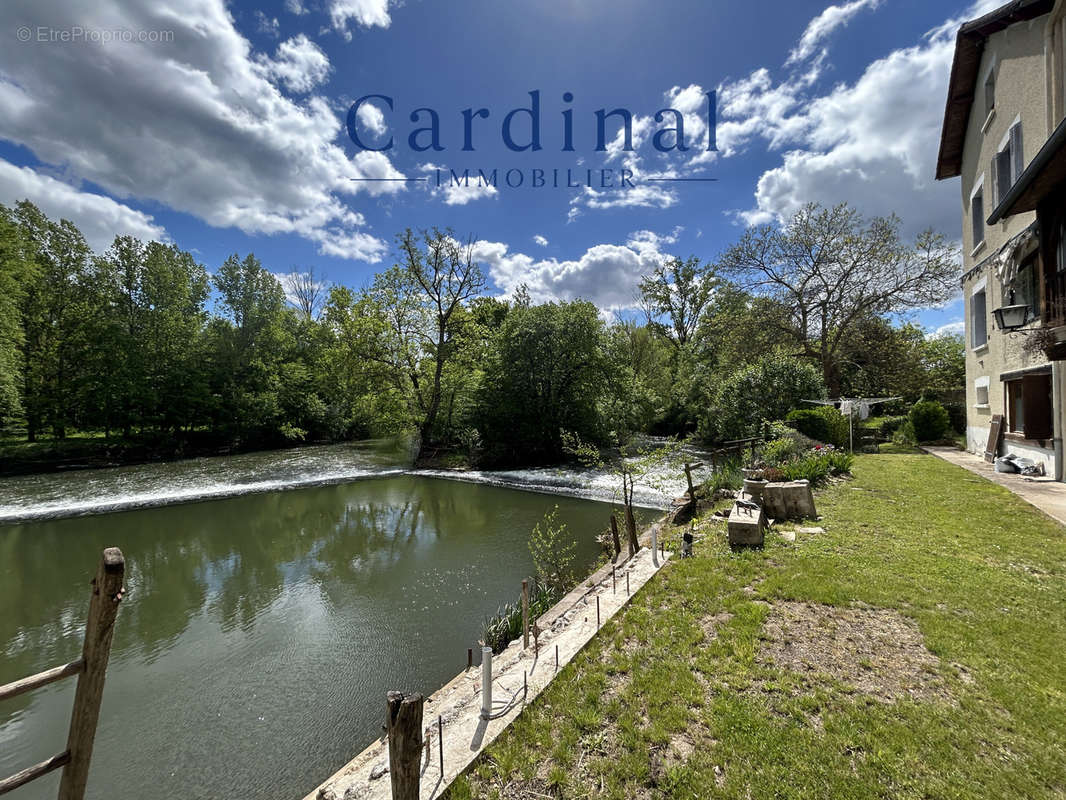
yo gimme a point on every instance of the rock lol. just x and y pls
(812, 531)
(788, 536)
(747, 526)
(789, 500)
(379, 771)
(684, 514)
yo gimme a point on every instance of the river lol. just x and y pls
(264, 622)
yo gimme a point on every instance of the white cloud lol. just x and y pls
(214, 137)
(606, 274)
(295, 7)
(372, 118)
(267, 25)
(365, 13)
(824, 24)
(456, 192)
(871, 143)
(951, 329)
(99, 218)
(541, 240)
(299, 64)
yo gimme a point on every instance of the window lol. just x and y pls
(1029, 405)
(1008, 164)
(1026, 290)
(977, 213)
(990, 91)
(978, 319)
(1060, 248)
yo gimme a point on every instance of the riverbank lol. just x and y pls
(893, 648)
(94, 451)
(520, 674)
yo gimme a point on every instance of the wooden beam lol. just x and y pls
(18, 687)
(34, 772)
(99, 629)
(403, 725)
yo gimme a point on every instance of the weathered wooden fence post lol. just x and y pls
(99, 628)
(403, 723)
(617, 541)
(525, 614)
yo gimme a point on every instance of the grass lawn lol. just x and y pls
(915, 649)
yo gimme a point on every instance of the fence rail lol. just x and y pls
(91, 670)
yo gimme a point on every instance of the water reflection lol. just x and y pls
(260, 632)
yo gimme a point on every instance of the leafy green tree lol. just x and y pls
(765, 390)
(17, 270)
(55, 315)
(249, 343)
(548, 375)
(674, 297)
(832, 269)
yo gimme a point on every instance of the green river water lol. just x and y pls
(260, 631)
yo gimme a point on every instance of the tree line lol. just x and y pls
(141, 343)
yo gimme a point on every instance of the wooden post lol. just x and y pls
(617, 541)
(403, 723)
(440, 743)
(525, 614)
(99, 629)
(469, 657)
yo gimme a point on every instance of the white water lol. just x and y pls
(98, 491)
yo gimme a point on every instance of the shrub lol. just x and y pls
(553, 551)
(779, 451)
(823, 424)
(889, 425)
(929, 420)
(506, 625)
(817, 465)
(904, 435)
(727, 476)
(764, 390)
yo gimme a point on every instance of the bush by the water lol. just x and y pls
(823, 424)
(765, 390)
(817, 465)
(506, 625)
(727, 476)
(929, 421)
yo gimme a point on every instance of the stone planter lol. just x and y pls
(754, 488)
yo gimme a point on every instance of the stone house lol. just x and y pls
(1002, 135)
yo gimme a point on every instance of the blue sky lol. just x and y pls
(220, 126)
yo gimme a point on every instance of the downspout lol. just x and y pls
(1056, 407)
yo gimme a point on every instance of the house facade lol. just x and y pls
(1005, 108)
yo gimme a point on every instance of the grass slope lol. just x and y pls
(676, 698)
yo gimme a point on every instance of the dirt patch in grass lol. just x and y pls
(712, 623)
(876, 651)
